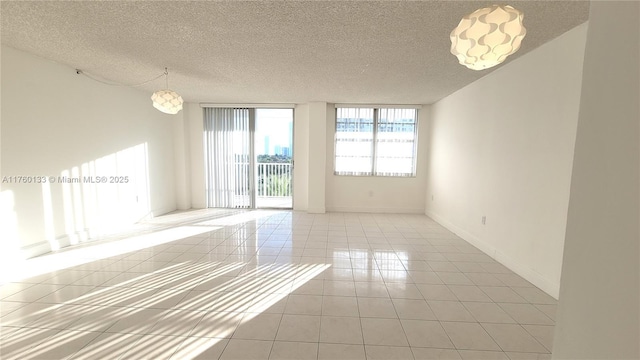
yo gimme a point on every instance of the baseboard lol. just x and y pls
(160, 211)
(63, 241)
(319, 210)
(75, 238)
(299, 208)
(385, 210)
(550, 287)
(44, 247)
(36, 249)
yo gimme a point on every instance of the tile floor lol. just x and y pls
(221, 284)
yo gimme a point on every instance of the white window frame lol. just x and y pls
(374, 151)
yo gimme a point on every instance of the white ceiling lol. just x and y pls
(271, 52)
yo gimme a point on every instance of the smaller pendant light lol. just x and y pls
(167, 101)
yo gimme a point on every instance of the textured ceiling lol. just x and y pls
(271, 52)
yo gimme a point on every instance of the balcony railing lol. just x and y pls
(274, 179)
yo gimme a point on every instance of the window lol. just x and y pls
(375, 142)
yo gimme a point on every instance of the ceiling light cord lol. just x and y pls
(165, 74)
(166, 101)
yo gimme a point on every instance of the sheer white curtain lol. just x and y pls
(228, 151)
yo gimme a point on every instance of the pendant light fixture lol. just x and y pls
(486, 37)
(167, 101)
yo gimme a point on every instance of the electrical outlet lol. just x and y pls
(484, 220)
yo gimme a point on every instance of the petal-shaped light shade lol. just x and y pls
(167, 101)
(486, 37)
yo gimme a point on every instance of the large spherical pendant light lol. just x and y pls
(486, 37)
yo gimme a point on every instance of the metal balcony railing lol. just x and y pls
(274, 179)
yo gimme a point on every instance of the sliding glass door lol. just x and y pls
(274, 150)
(248, 157)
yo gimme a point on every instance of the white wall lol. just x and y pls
(317, 189)
(598, 313)
(194, 117)
(55, 123)
(182, 159)
(378, 194)
(502, 147)
(301, 158)
(195, 179)
(318, 119)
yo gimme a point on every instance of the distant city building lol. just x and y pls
(266, 145)
(290, 144)
(282, 146)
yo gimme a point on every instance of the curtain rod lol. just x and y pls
(260, 106)
(385, 106)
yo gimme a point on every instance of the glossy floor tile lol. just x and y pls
(269, 284)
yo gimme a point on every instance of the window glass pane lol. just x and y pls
(354, 141)
(395, 142)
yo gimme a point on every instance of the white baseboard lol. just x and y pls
(550, 287)
(36, 249)
(319, 210)
(385, 210)
(162, 211)
(62, 242)
(78, 237)
(299, 208)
